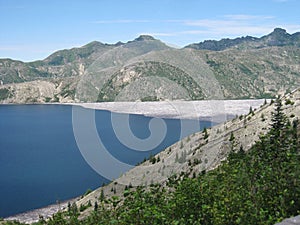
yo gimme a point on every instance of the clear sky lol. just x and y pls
(33, 29)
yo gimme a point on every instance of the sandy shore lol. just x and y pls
(33, 216)
(214, 109)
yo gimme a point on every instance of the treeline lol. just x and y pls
(260, 186)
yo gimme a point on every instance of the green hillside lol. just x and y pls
(245, 67)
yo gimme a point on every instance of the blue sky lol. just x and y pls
(33, 29)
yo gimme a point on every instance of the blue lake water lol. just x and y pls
(40, 162)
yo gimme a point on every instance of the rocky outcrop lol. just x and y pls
(290, 221)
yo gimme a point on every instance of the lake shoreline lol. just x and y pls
(216, 110)
(178, 109)
(46, 212)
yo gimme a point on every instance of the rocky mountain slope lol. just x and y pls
(199, 152)
(147, 69)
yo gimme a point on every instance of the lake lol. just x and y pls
(41, 163)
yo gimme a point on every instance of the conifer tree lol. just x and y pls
(96, 206)
(205, 133)
(278, 119)
(278, 126)
(102, 197)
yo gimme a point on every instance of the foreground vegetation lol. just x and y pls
(261, 186)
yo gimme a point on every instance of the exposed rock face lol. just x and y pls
(290, 221)
(38, 91)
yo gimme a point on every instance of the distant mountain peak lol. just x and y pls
(279, 31)
(145, 37)
(279, 37)
(93, 44)
(119, 43)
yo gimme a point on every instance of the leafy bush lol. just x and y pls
(4, 93)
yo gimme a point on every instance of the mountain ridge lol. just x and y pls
(247, 67)
(279, 37)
